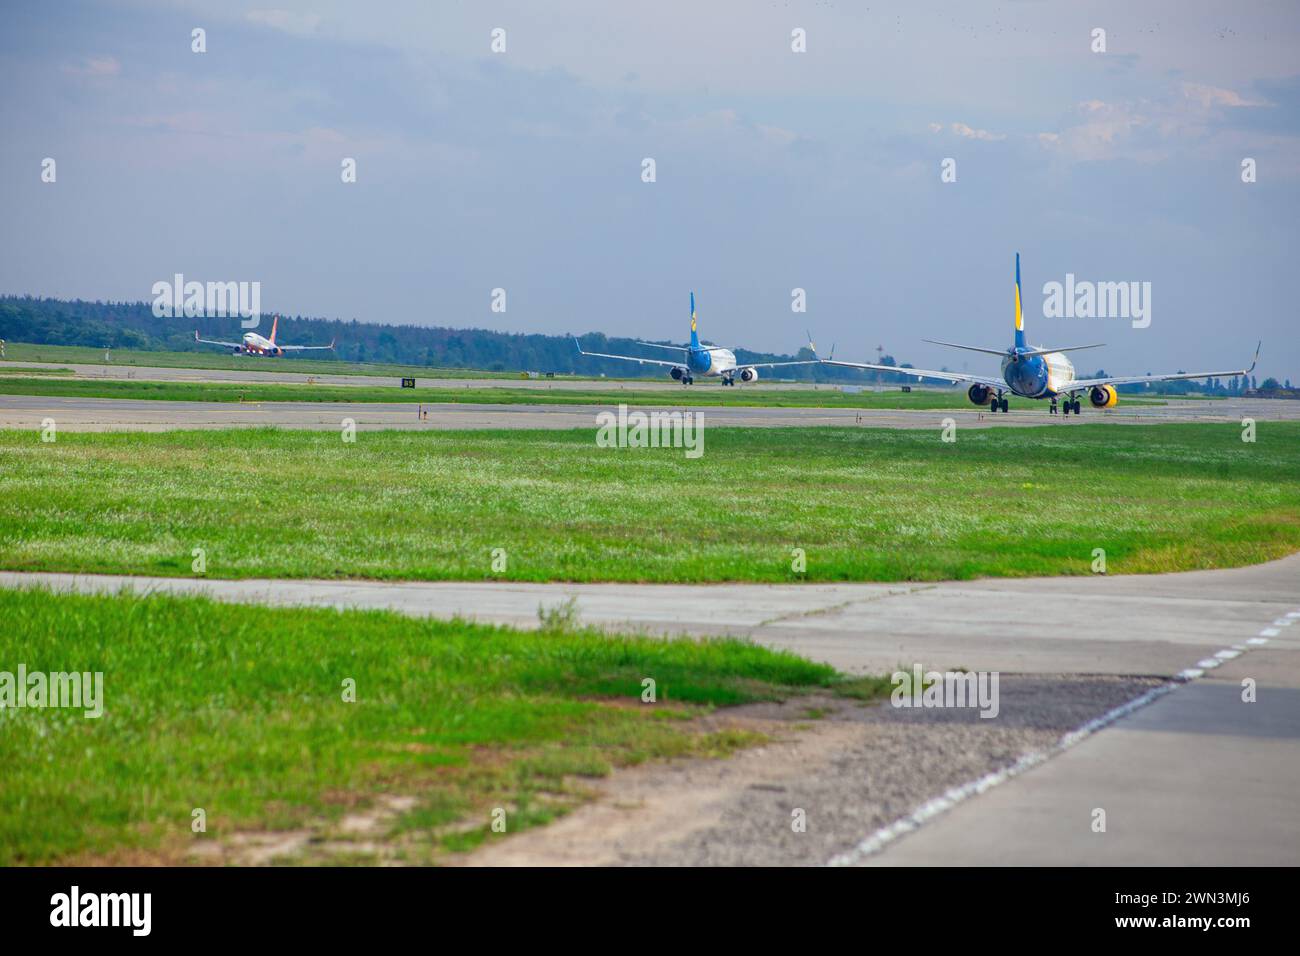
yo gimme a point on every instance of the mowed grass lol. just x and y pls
(240, 711)
(221, 359)
(711, 394)
(861, 504)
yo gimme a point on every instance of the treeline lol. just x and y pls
(133, 325)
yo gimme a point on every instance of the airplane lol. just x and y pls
(1038, 373)
(699, 359)
(254, 344)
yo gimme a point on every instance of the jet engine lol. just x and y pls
(677, 373)
(979, 394)
(1103, 396)
(749, 375)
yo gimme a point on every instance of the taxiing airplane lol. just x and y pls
(1038, 373)
(254, 344)
(699, 359)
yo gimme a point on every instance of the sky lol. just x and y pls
(775, 170)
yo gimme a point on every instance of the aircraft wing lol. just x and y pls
(630, 358)
(1083, 383)
(777, 364)
(229, 345)
(302, 348)
(991, 381)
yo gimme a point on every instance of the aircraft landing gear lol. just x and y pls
(998, 404)
(687, 380)
(729, 380)
(1052, 409)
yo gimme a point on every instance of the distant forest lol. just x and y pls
(132, 325)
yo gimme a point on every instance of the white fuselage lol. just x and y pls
(1037, 376)
(255, 344)
(711, 361)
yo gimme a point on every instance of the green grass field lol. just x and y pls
(863, 504)
(240, 711)
(218, 359)
(708, 396)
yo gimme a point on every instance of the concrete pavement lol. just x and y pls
(1198, 778)
(1148, 625)
(1192, 776)
(108, 414)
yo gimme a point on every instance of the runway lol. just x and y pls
(271, 374)
(1193, 776)
(106, 414)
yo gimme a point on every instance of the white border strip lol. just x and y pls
(933, 808)
(942, 804)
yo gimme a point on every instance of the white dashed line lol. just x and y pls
(933, 808)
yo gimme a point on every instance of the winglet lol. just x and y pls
(196, 335)
(1256, 358)
(812, 348)
(578, 344)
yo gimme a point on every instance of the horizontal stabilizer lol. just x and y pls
(968, 348)
(1068, 348)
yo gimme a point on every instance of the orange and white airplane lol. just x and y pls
(254, 344)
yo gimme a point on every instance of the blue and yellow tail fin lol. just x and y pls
(1020, 315)
(695, 336)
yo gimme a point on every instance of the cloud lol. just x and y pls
(1149, 130)
(968, 132)
(99, 67)
(961, 129)
(298, 24)
(1211, 96)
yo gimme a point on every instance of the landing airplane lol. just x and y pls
(698, 358)
(254, 344)
(1039, 373)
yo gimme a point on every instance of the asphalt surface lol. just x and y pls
(1193, 775)
(265, 370)
(106, 414)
